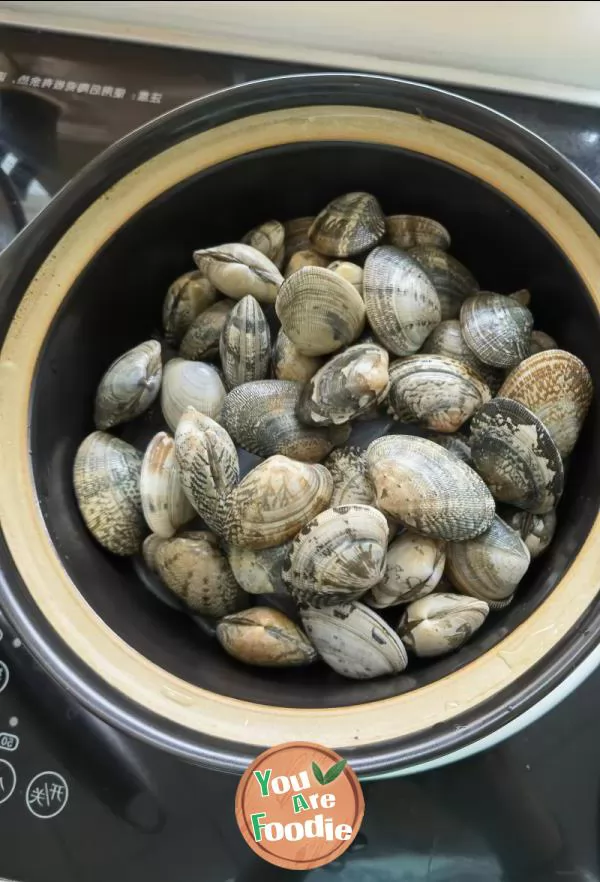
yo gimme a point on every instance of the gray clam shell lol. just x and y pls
(190, 384)
(409, 230)
(201, 340)
(187, 297)
(429, 489)
(296, 235)
(106, 480)
(541, 341)
(237, 270)
(348, 225)
(447, 339)
(497, 328)
(536, 531)
(265, 637)
(259, 571)
(268, 238)
(245, 345)
(515, 454)
(455, 443)
(402, 304)
(289, 364)
(453, 281)
(414, 567)
(354, 640)
(129, 386)
(441, 623)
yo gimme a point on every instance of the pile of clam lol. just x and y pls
(295, 345)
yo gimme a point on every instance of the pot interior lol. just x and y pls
(117, 301)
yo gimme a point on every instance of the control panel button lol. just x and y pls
(47, 794)
(4, 676)
(8, 780)
(8, 741)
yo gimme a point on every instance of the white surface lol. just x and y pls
(538, 48)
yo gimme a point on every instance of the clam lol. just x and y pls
(350, 384)
(259, 571)
(536, 531)
(268, 238)
(129, 386)
(289, 364)
(150, 546)
(237, 270)
(540, 341)
(197, 571)
(522, 296)
(274, 501)
(261, 418)
(455, 443)
(447, 339)
(429, 489)
(351, 482)
(441, 623)
(165, 505)
(319, 311)
(453, 281)
(490, 566)
(414, 567)
(497, 328)
(265, 637)
(349, 271)
(201, 339)
(515, 454)
(245, 345)
(190, 384)
(354, 640)
(187, 297)
(106, 479)
(300, 259)
(437, 392)
(208, 464)
(296, 235)
(557, 387)
(338, 555)
(402, 304)
(408, 230)
(348, 225)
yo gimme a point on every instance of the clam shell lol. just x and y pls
(414, 567)
(408, 230)
(490, 566)
(268, 238)
(351, 482)
(208, 464)
(522, 296)
(165, 505)
(274, 501)
(106, 480)
(557, 387)
(453, 281)
(441, 623)
(454, 443)
(197, 571)
(348, 225)
(187, 297)
(190, 384)
(261, 418)
(296, 235)
(338, 555)
(536, 531)
(402, 304)
(515, 454)
(497, 328)
(447, 339)
(319, 311)
(237, 270)
(300, 259)
(201, 339)
(265, 637)
(129, 386)
(354, 640)
(150, 546)
(437, 392)
(427, 488)
(259, 571)
(289, 364)
(245, 345)
(540, 341)
(349, 271)
(350, 384)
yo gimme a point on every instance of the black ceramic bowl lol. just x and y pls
(86, 281)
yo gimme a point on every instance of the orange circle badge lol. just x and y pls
(299, 805)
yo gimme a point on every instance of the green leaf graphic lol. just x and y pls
(318, 773)
(334, 772)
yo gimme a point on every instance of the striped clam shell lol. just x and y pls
(437, 392)
(190, 384)
(259, 571)
(414, 567)
(268, 238)
(447, 339)
(441, 623)
(515, 454)
(557, 387)
(408, 230)
(348, 225)
(354, 640)
(245, 345)
(490, 566)
(454, 443)
(536, 531)
(129, 386)
(164, 503)
(265, 637)
(319, 311)
(429, 489)
(201, 339)
(237, 270)
(497, 328)
(402, 304)
(453, 281)
(289, 364)
(186, 298)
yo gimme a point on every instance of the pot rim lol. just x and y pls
(536, 681)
